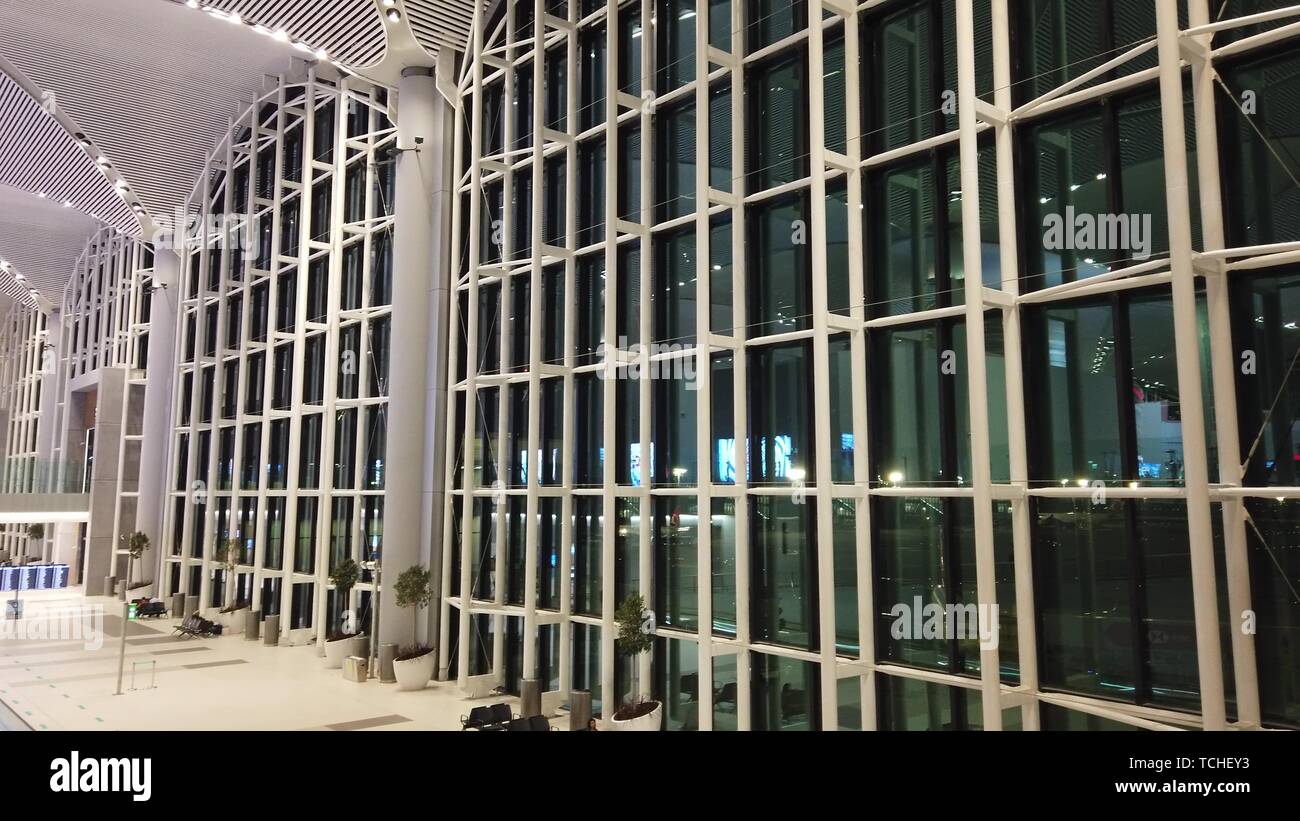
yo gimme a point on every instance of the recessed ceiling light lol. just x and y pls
(67, 203)
(394, 15)
(389, 3)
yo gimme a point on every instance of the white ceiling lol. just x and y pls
(150, 85)
(41, 240)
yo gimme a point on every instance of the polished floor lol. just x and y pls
(226, 683)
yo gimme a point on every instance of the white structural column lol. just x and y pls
(976, 371)
(419, 176)
(821, 478)
(1196, 469)
(1223, 374)
(1026, 623)
(158, 403)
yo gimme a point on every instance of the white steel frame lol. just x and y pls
(498, 52)
(291, 102)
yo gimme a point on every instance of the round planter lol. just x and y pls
(232, 622)
(414, 674)
(646, 723)
(336, 651)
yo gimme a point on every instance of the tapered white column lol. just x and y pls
(161, 367)
(976, 370)
(419, 166)
(1195, 463)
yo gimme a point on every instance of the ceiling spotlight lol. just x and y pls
(67, 203)
(394, 15)
(388, 4)
(121, 185)
(40, 194)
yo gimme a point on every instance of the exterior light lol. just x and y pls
(796, 474)
(895, 476)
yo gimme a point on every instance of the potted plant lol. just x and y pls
(339, 640)
(413, 665)
(633, 639)
(231, 552)
(35, 533)
(136, 544)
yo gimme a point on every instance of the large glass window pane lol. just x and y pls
(722, 544)
(675, 162)
(779, 280)
(676, 43)
(587, 534)
(592, 77)
(673, 300)
(904, 236)
(1266, 312)
(906, 368)
(720, 136)
(1083, 592)
(784, 693)
(783, 572)
(588, 430)
(773, 20)
(777, 151)
(781, 434)
(677, 683)
(841, 407)
(676, 537)
(722, 460)
(1067, 176)
(1261, 200)
(1072, 373)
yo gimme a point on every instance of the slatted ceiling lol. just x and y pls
(441, 24)
(42, 239)
(38, 155)
(350, 31)
(152, 83)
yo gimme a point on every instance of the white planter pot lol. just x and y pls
(336, 651)
(232, 622)
(646, 723)
(414, 674)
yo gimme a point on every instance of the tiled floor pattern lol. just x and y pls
(223, 683)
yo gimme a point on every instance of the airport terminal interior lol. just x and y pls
(614, 364)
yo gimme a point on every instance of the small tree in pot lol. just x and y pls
(136, 544)
(338, 640)
(413, 665)
(35, 533)
(633, 639)
(230, 554)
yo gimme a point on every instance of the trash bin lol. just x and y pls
(191, 605)
(178, 605)
(530, 697)
(271, 631)
(579, 709)
(252, 624)
(387, 652)
(110, 586)
(354, 668)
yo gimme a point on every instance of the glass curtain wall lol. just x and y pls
(718, 355)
